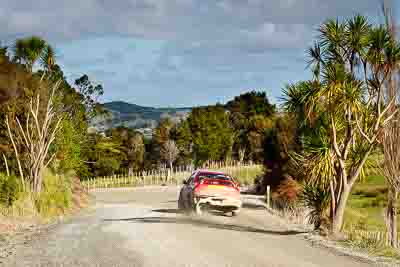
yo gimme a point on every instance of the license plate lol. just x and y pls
(214, 186)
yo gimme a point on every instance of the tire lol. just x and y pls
(235, 213)
(181, 205)
(198, 209)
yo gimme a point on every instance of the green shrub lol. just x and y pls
(56, 196)
(317, 199)
(10, 189)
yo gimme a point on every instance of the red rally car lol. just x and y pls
(206, 189)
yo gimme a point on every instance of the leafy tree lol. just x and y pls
(258, 125)
(90, 93)
(169, 152)
(131, 145)
(107, 166)
(162, 132)
(212, 134)
(250, 114)
(183, 138)
(105, 155)
(250, 104)
(161, 135)
(32, 49)
(136, 152)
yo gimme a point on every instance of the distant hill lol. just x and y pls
(135, 116)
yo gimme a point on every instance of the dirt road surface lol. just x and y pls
(142, 227)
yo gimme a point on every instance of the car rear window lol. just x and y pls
(214, 176)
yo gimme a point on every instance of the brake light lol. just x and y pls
(196, 184)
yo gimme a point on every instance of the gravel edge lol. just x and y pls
(317, 240)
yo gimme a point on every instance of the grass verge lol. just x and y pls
(364, 218)
(61, 195)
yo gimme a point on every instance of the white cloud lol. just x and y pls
(212, 44)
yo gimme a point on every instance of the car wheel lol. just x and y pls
(180, 203)
(198, 209)
(235, 213)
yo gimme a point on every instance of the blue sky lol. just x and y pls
(179, 52)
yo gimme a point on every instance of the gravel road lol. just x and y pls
(142, 227)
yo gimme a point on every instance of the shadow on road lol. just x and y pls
(173, 211)
(177, 211)
(203, 223)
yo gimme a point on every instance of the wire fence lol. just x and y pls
(244, 173)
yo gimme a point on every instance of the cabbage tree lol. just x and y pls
(353, 66)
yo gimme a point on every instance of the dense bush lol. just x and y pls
(287, 193)
(10, 189)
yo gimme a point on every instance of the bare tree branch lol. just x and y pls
(10, 135)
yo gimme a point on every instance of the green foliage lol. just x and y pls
(107, 166)
(250, 115)
(183, 138)
(54, 200)
(68, 143)
(131, 148)
(251, 104)
(280, 142)
(317, 199)
(161, 133)
(10, 189)
(211, 133)
(89, 93)
(341, 111)
(30, 50)
(56, 197)
(366, 204)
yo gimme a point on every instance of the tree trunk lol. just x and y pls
(391, 218)
(333, 201)
(171, 170)
(38, 180)
(338, 216)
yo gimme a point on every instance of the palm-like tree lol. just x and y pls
(30, 50)
(316, 61)
(47, 58)
(356, 32)
(336, 152)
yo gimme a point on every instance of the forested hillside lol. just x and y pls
(135, 116)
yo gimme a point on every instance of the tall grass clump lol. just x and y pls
(316, 199)
(54, 200)
(56, 196)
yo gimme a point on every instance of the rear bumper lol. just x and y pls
(217, 202)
